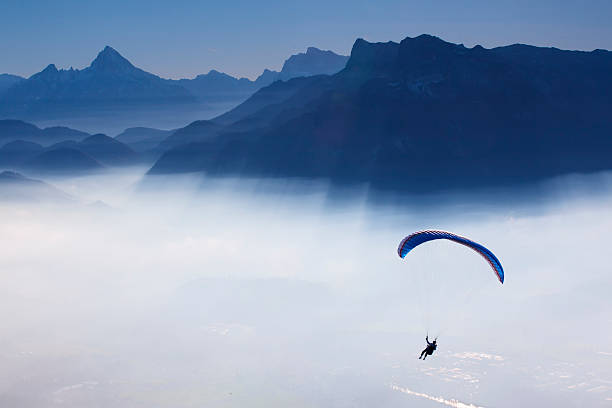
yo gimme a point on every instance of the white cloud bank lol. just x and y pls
(174, 298)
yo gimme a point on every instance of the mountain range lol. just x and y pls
(142, 139)
(420, 114)
(12, 130)
(8, 80)
(17, 187)
(70, 156)
(112, 87)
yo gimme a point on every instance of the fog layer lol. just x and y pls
(185, 292)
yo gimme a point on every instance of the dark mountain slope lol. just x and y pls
(113, 94)
(63, 160)
(217, 86)
(68, 156)
(8, 80)
(141, 139)
(103, 149)
(89, 153)
(11, 130)
(278, 103)
(313, 62)
(14, 154)
(198, 131)
(109, 80)
(427, 114)
(107, 150)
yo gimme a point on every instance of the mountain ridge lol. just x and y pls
(12, 129)
(507, 114)
(17, 187)
(111, 86)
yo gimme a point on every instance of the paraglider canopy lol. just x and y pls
(418, 238)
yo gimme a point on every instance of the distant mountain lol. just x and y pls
(8, 80)
(11, 130)
(113, 91)
(313, 62)
(266, 78)
(102, 148)
(142, 139)
(109, 80)
(217, 86)
(265, 105)
(14, 154)
(65, 160)
(422, 114)
(94, 152)
(16, 187)
(107, 150)
(198, 131)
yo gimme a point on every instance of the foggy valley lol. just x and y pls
(166, 291)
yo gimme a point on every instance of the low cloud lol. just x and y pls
(183, 295)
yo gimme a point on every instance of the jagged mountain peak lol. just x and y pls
(50, 72)
(313, 62)
(50, 68)
(312, 51)
(427, 37)
(213, 73)
(110, 60)
(429, 42)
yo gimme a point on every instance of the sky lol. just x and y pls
(182, 39)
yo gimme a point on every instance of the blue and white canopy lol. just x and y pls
(418, 238)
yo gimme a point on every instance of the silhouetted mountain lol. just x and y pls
(113, 94)
(14, 154)
(423, 114)
(141, 139)
(102, 148)
(8, 80)
(16, 187)
(107, 150)
(63, 133)
(63, 160)
(313, 62)
(110, 80)
(260, 109)
(16, 129)
(86, 154)
(11, 130)
(111, 62)
(217, 86)
(266, 78)
(198, 131)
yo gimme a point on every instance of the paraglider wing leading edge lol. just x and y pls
(418, 238)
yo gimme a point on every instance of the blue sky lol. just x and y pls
(184, 38)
